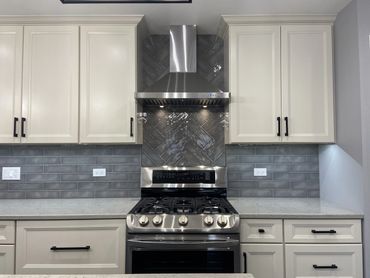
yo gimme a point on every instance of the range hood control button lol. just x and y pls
(183, 220)
(222, 221)
(157, 220)
(143, 220)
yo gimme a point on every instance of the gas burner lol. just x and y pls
(211, 210)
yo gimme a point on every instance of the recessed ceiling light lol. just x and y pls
(161, 106)
(123, 1)
(205, 106)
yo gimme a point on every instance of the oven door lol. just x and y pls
(183, 254)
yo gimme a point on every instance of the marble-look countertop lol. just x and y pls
(290, 208)
(204, 275)
(39, 209)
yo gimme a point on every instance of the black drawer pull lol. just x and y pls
(15, 133)
(23, 134)
(245, 262)
(333, 266)
(286, 126)
(324, 232)
(279, 126)
(131, 127)
(261, 231)
(84, 248)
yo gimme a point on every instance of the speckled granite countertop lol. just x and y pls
(119, 208)
(205, 275)
(289, 208)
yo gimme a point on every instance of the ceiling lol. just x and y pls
(204, 13)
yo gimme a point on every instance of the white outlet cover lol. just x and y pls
(100, 172)
(11, 173)
(260, 172)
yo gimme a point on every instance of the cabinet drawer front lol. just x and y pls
(323, 231)
(70, 247)
(7, 232)
(6, 259)
(261, 230)
(324, 260)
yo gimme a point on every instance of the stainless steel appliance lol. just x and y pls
(183, 223)
(183, 85)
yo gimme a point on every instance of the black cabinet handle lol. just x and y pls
(324, 232)
(333, 266)
(279, 126)
(131, 127)
(23, 134)
(83, 248)
(261, 231)
(286, 126)
(15, 133)
(245, 262)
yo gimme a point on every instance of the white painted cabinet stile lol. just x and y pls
(50, 84)
(108, 83)
(105, 238)
(7, 240)
(11, 45)
(254, 83)
(307, 82)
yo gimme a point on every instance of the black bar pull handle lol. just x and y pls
(131, 127)
(279, 126)
(286, 126)
(245, 262)
(324, 232)
(333, 266)
(82, 248)
(15, 133)
(23, 134)
(261, 231)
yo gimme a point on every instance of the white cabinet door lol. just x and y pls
(108, 84)
(254, 83)
(11, 40)
(6, 259)
(323, 260)
(261, 230)
(263, 260)
(7, 232)
(307, 83)
(44, 247)
(50, 84)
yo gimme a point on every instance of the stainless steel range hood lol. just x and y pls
(183, 85)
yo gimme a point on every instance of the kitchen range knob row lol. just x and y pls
(183, 220)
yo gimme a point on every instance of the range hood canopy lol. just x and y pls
(183, 85)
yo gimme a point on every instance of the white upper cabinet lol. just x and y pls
(254, 83)
(50, 84)
(11, 38)
(108, 84)
(281, 80)
(307, 83)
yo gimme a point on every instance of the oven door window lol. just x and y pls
(182, 261)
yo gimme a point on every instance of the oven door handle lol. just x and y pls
(185, 242)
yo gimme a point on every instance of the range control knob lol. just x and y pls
(222, 221)
(183, 220)
(157, 220)
(208, 220)
(143, 220)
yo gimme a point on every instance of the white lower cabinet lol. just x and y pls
(263, 260)
(70, 247)
(6, 259)
(323, 260)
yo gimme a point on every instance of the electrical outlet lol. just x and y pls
(101, 172)
(11, 173)
(260, 172)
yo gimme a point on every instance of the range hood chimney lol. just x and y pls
(183, 85)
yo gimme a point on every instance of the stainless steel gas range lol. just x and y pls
(183, 223)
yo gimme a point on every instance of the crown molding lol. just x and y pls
(58, 19)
